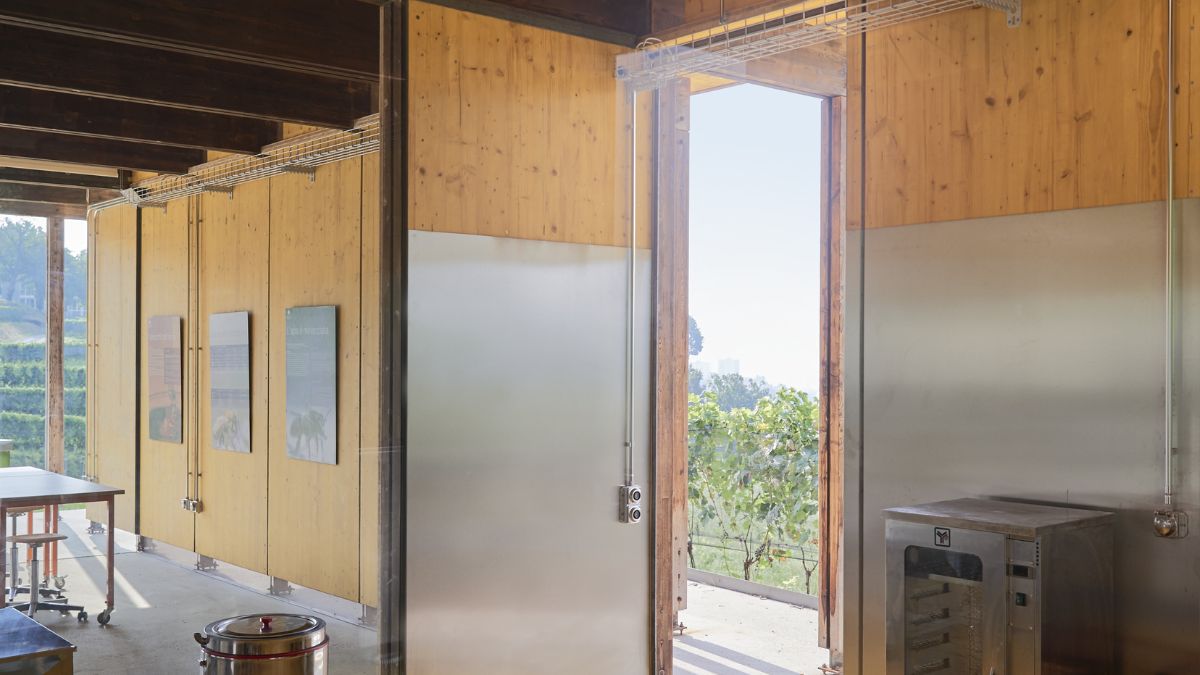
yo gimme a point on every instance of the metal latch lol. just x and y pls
(192, 505)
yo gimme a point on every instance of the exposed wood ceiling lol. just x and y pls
(95, 86)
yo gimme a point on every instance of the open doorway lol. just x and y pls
(754, 383)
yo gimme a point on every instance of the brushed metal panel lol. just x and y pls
(516, 561)
(1022, 357)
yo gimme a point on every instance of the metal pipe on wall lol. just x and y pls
(1169, 522)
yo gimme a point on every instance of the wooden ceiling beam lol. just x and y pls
(50, 60)
(60, 112)
(77, 180)
(337, 37)
(98, 151)
(40, 210)
(49, 194)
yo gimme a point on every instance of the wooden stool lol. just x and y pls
(35, 540)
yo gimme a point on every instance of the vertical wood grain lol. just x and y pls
(54, 345)
(233, 259)
(113, 428)
(166, 467)
(313, 509)
(369, 381)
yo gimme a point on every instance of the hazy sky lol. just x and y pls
(755, 231)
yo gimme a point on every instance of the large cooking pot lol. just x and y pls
(264, 644)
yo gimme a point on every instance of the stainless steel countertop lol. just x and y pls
(1017, 519)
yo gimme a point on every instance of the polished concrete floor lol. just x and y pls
(160, 603)
(731, 633)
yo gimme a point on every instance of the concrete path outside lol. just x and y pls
(731, 633)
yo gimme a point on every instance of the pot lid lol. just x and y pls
(264, 634)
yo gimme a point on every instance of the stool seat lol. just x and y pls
(38, 538)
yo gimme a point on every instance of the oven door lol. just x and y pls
(946, 600)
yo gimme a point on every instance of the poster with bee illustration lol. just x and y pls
(229, 380)
(311, 383)
(164, 360)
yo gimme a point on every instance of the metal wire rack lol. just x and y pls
(729, 48)
(302, 154)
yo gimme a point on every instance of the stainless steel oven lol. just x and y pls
(989, 587)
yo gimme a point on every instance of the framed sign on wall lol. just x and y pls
(164, 373)
(229, 380)
(311, 385)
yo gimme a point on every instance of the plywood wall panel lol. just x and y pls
(966, 117)
(313, 521)
(166, 467)
(112, 367)
(369, 419)
(233, 246)
(515, 131)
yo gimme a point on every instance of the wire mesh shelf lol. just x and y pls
(302, 154)
(729, 48)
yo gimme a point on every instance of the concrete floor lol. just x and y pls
(159, 604)
(731, 633)
(161, 601)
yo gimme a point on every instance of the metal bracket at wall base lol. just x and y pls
(369, 617)
(192, 505)
(205, 563)
(280, 587)
(145, 544)
(95, 528)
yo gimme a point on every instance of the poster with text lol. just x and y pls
(165, 375)
(311, 364)
(229, 380)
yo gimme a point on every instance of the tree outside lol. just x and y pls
(752, 476)
(23, 344)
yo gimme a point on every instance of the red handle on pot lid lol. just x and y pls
(266, 624)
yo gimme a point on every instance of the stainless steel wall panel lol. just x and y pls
(1023, 357)
(516, 561)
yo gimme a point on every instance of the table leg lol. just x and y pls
(111, 550)
(54, 544)
(29, 529)
(4, 558)
(46, 528)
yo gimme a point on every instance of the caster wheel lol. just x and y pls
(103, 617)
(82, 616)
(60, 582)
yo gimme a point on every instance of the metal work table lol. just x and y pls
(25, 486)
(30, 647)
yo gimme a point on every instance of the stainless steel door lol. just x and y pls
(946, 594)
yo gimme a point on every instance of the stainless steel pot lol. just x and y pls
(264, 644)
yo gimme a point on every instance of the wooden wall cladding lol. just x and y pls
(369, 419)
(315, 248)
(233, 245)
(966, 117)
(113, 330)
(166, 467)
(513, 131)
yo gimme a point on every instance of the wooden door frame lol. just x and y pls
(669, 193)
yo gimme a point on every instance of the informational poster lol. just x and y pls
(229, 380)
(312, 383)
(165, 373)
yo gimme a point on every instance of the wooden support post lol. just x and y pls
(670, 209)
(54, 345)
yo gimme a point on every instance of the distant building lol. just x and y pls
(703, 366)
(729, 367)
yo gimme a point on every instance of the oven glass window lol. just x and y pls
(943, 592)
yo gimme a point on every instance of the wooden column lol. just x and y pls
(670, 208)
(54, 345)
(831, 398)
